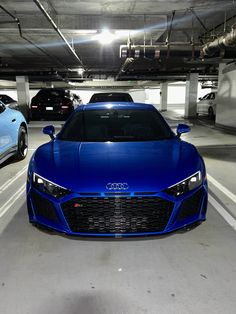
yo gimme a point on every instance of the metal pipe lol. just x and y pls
(170, 28)
(198, 18)
(17, 21)
(124, 67)
(219, 43)
(217, 26)
(48, 17)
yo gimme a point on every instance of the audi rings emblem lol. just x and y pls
(117, 186)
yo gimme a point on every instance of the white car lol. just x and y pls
(207, 105)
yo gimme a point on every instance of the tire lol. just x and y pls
(22, 146)
(211, 114)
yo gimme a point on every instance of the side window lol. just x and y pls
(2, 107)
(206, 96)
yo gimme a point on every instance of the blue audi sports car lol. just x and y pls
(116, 169)
(13, 134)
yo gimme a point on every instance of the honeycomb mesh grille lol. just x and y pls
(117, 214)
(191, 206)
(44, 207)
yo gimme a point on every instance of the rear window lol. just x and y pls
(115, 126)
(51, 93)
(111, 97)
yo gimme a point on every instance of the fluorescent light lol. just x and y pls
(85, 31)
(80, 71)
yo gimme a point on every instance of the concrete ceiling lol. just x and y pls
(30, 45)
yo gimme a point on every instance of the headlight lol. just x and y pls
(186, 185)
(48, 187)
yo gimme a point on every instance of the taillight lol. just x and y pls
(66, 102)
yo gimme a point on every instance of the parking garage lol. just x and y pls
(178, 56)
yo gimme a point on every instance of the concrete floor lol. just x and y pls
(185, 272)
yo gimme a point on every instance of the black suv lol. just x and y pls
(110, 97)
(53, 102)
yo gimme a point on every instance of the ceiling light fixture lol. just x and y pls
(105, 37)
(80, 71)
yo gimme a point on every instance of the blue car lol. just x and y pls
(13, 134)
(116, 169)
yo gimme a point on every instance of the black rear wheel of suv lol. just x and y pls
(22, 147)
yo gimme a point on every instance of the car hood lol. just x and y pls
(144, 166)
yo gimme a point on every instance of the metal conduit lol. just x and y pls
(17, 21)
(48, 17)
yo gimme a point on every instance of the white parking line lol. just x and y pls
(12, 180)
(6, 206)
(222, 188)
(224, 213)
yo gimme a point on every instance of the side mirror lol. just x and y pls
(49, 130)
(182, 128)
(200, 98)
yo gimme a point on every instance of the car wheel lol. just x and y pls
(211, 113)
(22, 147)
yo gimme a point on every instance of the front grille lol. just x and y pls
(43, 207)
(191, 206)
(117, 214)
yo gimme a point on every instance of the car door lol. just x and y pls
(203, 104)
(8, 130)
(212, 102)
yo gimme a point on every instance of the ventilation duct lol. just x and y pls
(157, 52)
(229, 40)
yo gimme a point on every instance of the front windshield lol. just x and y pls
(115, 126)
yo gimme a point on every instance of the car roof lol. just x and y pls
(115, 105)
(108, 93)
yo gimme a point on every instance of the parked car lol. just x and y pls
(13, 134)
(53, 102)
(9, 102)
(117, 171)
(110, 97)
(13, 104)
(207, 105)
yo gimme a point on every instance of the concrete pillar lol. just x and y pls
(163, 96)
(191, 96)
(22, 86)
(226, 95)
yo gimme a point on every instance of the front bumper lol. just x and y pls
(117, 215)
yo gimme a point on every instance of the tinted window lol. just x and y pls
(115, 126)
(2, 107)
(207, 96)
(110, 97)
(6, 99)
(51, 93)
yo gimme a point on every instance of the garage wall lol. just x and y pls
(176, 94)
(226, 97)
